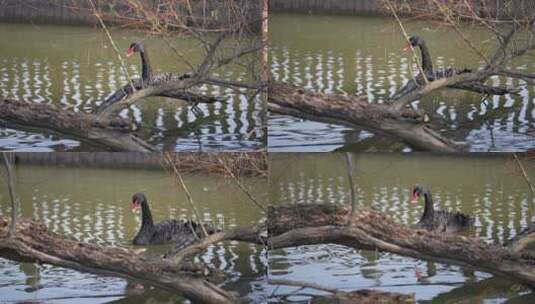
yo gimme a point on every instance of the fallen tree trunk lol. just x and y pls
(32, 241)
(405, 124)
(371, 230)
(112, 133)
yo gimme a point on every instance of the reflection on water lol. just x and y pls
(337, 54)
(487, 187)
(93, 205)
(76, 68)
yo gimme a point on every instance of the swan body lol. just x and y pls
(431, 74)
(439, 221)
(183, 233)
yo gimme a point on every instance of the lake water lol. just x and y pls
(93, 205)
(488, 187)
(340, 54)
(76, 68)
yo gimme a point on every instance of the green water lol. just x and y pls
(339, 54)
(77, 68)
(488, 187)
(93, 205)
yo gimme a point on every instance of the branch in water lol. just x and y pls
(306, 224)
(405, 124)
(33, 241)
(113, 134)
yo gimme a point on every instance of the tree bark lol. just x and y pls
(113, 103)
(33, 242)
(114, 133)
(371, 230)
(405, 124)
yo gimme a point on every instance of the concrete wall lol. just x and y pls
(375, 7)
(335, 7)
(46, 11)
(80, 12)
(111, 160)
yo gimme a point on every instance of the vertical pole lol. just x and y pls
(349, 162)
(11, 189)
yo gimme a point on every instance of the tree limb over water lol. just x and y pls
(111, 133)
(181, 86)
(406, 124)
(233, 42)
(513, 38)
(34, 242)
(370, 230)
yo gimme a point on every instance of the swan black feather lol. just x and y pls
(183, 233)
(439, 221)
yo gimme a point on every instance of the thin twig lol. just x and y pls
(115, 48)
(302, 284)
(524, 173)
(445, 12)
(407, 38)
(171, 163)
(241, 186)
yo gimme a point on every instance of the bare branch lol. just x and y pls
(441, 84)
(251, 234)
(358, 296)
(241, 186)
(171, 164)
(370, 230)
(524, 173)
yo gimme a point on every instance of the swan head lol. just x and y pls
(135, 47)
(137, 200)
(417, 191)
(414, 41)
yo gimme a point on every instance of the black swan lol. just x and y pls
(148, 79)
(146, 71)
(439, 221)
(183, 233)
(432, 74)
(427, 63)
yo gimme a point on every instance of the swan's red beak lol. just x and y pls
(415, 197)
(136, 206)
(407, 48)
(129, 52)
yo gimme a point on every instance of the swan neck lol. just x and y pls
(428, 208)
(427, 63)
(145, 65)
(146, 216)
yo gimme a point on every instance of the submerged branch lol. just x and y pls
(359, 296)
